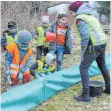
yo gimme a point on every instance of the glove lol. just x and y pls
(48, 73)
(9, 79)
(37, 75)
(20, 76)
(8, 72)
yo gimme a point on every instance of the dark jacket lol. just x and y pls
(68, 39)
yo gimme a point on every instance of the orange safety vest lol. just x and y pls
(16, 64)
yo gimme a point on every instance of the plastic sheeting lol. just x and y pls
(25, 97)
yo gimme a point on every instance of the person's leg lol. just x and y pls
(52, 51)
(26, 78)
(59, 57)
(45, 51)
(102, 66)
(39, 52)
(84, 66)
(14, 80)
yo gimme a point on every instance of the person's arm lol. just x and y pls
(49, 29)
(35, 34)
(82, 27)
(4, 42)
(26, 65)
(51, 69)
(32, 69)
(8, 59)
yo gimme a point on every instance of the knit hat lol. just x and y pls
(75, 5)
(45, 19)
(24, 36)
(49, 58)
(61, 14)
(12, 24)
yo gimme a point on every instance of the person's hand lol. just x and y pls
(37, 75)
(9, 79)
(48, 73)
(8, 72)
(20, 76)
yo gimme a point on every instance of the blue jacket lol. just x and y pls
(68, 39)
(84, 9)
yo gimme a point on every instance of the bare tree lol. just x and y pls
(25, 13)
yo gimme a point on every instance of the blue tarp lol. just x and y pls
(27, 96)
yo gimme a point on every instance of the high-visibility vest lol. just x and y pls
(41, 65)
(96, 33)
(16, 64)
(41, 38)
(10, 39)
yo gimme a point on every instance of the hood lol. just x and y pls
(85, 8)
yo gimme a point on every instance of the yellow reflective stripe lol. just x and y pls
(13, 72)
(14, 66)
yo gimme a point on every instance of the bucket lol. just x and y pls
(50, 37)
(96, 88)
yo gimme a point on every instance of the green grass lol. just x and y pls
(63, 101)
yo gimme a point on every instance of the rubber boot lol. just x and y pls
(84, 97)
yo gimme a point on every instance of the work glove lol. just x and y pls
(36, 75)
(48, 73)
(8, 72)
(20, 76)
(39, 75)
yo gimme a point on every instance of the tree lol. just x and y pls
(25, 13)
(103, 8)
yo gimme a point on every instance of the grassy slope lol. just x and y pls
(64, 101)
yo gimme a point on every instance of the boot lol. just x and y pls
(84, 97)
(107, 90)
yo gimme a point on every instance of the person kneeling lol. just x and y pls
(45, 66)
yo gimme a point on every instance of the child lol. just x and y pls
(42, 47)
(46, 65)
(63, 43)
(18, 59)
(9, 35)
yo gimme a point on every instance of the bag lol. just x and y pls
(96, 88)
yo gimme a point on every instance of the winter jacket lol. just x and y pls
(8, 59)
(68, 39)
(4, 39)
(82, 27)
(42, 67)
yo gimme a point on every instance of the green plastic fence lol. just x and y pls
(25, 97)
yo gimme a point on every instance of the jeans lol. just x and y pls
(88, 58)
(59, 56)
(39, 51)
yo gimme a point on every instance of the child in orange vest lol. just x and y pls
(18, 59)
